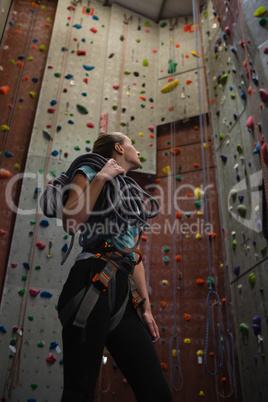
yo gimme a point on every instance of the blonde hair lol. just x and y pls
(104, 144)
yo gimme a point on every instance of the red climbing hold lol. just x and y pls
(94, 30)
(81, 53)
(90, 125)
(4, 174)
(51, 359)
(40, 245)
(51, 110)
(250, 123)
(151, 128)
(85, 80)
(175, 151)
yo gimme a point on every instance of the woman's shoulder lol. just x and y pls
(88, 171)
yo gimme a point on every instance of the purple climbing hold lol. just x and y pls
(224, 158)
(241, 198)
(237, 270)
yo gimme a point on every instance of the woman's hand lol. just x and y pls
(110, 170)
(149, 321)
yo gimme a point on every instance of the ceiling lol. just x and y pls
(156, 10)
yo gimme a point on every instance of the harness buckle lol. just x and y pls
(100, 282)
(137, 300)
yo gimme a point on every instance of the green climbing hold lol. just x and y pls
(142, 159)
(234, 245)
(11, 61)
(82, 109)
(166, 259)
(178, 177)
(244, 329)
(263, 22)
(16, 166)
(114, 107)
(88, 142)
(47, 134)
(77, 148)
(42, 48)
(21, 292)
(24, 277)
(13, 341)
(233, 194)
(57, 75)
(32, 94)
(215, 86)
(34, 386)
(198, 204)
(221, 136)
(233, 96)
(252, 279)
(172, 66)
(53, 173)
(239, 149)
(138, 40)
(133, 140)
(142, 106)
(142, 92)
(30, 58)
(32, 221)
(65, 237)
(127, 72)
(145, 63)
(205, 13)
(224, 78)
(264, 249)
(211, 282)
(260, 11)
(123, 124)
(188, 214)
(166, 248)
(37, 267)
(242, 210)
(163, 24)
(30, 317)
(216, 56)
(147, 24)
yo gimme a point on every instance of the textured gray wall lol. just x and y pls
(250, 254)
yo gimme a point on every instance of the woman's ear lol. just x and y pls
(118, 148)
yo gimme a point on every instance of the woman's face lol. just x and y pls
(131, 154)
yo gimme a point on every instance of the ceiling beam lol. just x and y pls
(160, 10)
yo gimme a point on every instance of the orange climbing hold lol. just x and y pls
(170, 79)
(163, 304)
(177, 45)
(196, 128)
(164, 366)
(34, 5)
(151, 135)
(187, 317)
(189, 195)
(212, 101)
(200, 281)
(20, 64)
(260, 106)
(187, 56)
(26, 78)
(144, 238)
(4, 174)
(178, 215)
(3, 232)
(196, 165)
(178, 258)
(143, 98)
(171, 108)
(157, 180)
(188, 82)
(4, 90)
(175, 151)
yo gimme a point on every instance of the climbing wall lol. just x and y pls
(238, 83)
(5, 6)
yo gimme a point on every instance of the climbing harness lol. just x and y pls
(122, 197)
(84, 301)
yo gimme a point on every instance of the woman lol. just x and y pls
(130, 342)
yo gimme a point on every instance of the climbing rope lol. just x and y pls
(218, 350)
(174, 359)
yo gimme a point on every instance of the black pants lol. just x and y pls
(129, 343)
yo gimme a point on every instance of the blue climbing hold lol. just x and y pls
(64, 248)
(46, 294)
(21, 57)
(68, 76)
(77, 26)
(84, 94)
(233, 49)
(2, 329)
(83, 40)
(26, 265)
(35, 80)
(8, 154)
(94, 17)
(64, 49)
(257, 149)
(70, 122)
(53, 345)
(88, 68)
(243, 94)
(21, 100)
(58, 128)
(11, 23)
(55, 153)
(53, 102)
(88, 149)
(44, 223)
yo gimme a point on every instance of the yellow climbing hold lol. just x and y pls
(198, 193)
(195, 54)
(4, 127)
(174, 352)
(170, 40)
(141, 134)
(166, 170)
(201, 393)
(187, 340)
(205, 145)
(165, 282)
(170, 86)
(199, 213)
(32, 94)
(200, 353)
(198, 236)
(260, 11)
